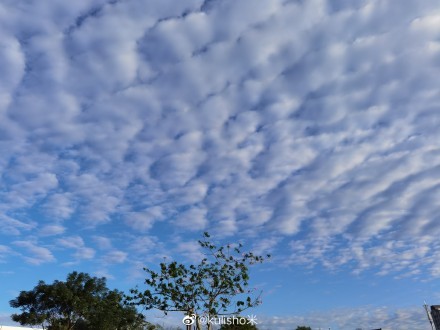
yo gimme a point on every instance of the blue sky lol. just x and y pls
(306, 129)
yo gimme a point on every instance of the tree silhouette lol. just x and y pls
(218, 285)
(81, 303)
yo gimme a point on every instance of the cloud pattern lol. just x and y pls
(358, 318)
(314, 123)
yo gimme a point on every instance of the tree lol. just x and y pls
(242, 324)
(302, 327)
(211, 288)
(80, 303)
(111, 313)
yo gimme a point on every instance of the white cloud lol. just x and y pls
(59, 206)
(115, 257)
(13, 226)
(71, 242)
(142, 221)
(103, 243)
(12, 66)
(36, 254)
(51, 230)
(144, 244)
(190, 250)
(193, 219)
(5, 251)
(146, 249)
(82, 252)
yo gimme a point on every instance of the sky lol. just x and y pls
(304, 129)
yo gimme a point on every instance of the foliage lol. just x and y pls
(302, 327)
(212, 287)
(239, 325)
(80, 303)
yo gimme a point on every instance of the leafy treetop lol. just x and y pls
(213, 287)
(81, 302)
